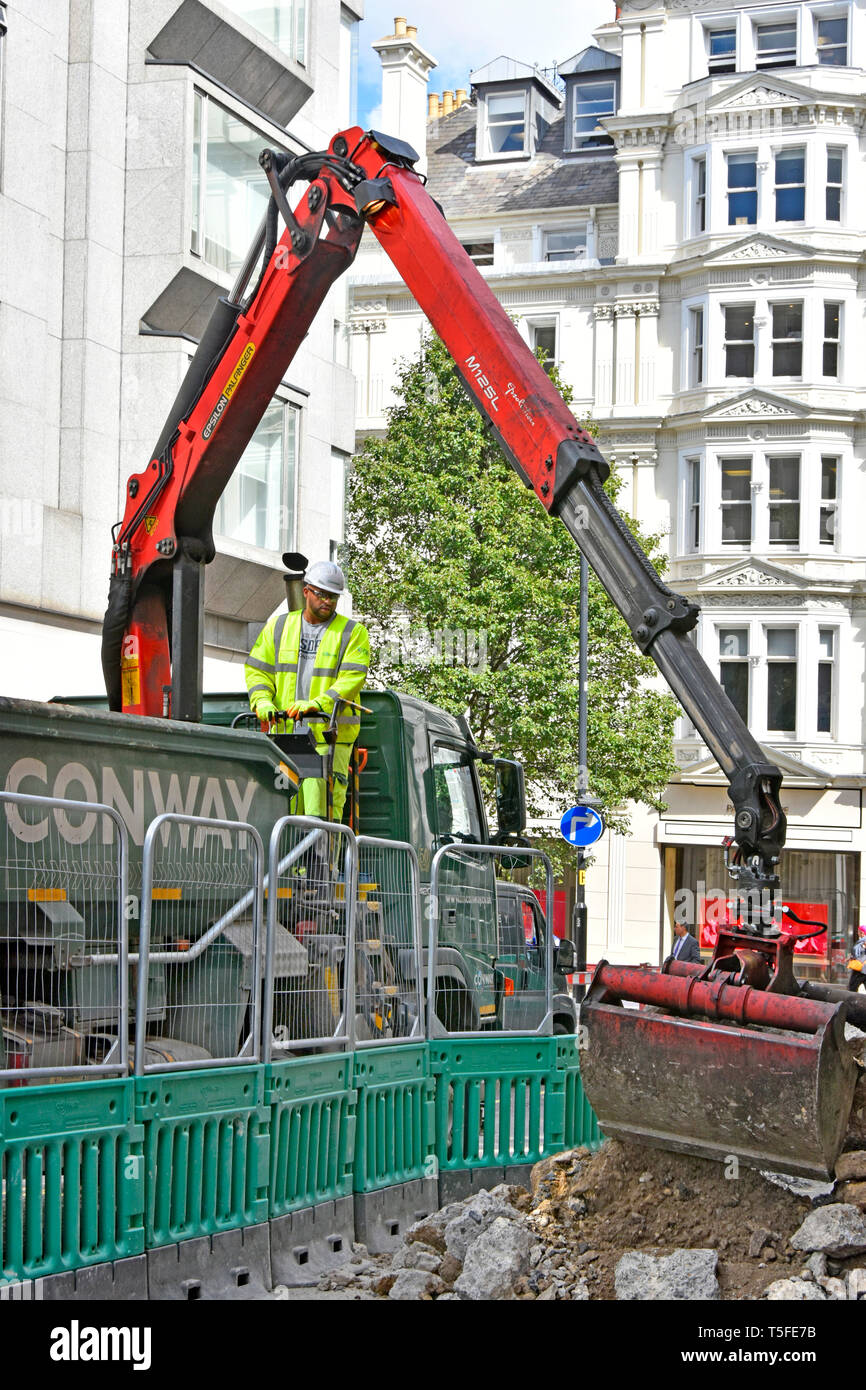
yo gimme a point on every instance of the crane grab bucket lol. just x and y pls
(720, 1070)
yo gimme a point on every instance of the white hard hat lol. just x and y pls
(324, 574)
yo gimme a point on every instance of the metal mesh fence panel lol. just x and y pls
(479, 980)
(311, 894)
(200, 949)
(389, 1001)
(63, 885)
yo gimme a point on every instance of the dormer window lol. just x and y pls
(506, 122)
(516, 105)
(591, 100)
(592, 93)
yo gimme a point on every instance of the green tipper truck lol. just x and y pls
(419, 784)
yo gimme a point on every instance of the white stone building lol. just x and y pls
(129, 193)
(678, 220)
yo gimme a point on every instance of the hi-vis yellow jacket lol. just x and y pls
(342, 663)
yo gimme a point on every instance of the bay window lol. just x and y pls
(740, 340)
(790, 171)
(781, 679)
(828, 519)
(787, 339)
(785, 501)
(833, 207)
(736, 501)
(742, 189)
(832, 316)
(734, 667)
(826, 664)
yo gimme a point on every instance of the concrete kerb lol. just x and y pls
(306, 1244)
(230, 1264)
(382, 1218)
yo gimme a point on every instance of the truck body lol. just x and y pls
(419, 785)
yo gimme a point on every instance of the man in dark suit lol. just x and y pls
(686, 947)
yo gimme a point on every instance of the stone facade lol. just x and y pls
(748, 453)
(103, 296)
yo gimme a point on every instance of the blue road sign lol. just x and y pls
(581, 826)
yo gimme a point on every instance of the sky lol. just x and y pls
(465, 34)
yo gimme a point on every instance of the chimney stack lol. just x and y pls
(447, 103)
(406, 69)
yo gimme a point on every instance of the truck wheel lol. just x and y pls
(562, 1026)
(454, 1010)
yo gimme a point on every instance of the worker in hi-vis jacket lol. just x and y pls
(303, 662)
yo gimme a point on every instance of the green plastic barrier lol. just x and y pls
(71, 1178)
(394, 1140)
(312, 1129)
(499, 1101)
(206, 1151)
(581, 1125)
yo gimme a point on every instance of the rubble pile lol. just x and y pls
(631, 1223)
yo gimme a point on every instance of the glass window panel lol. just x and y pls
(736, 480)
(790, 166)
(825, 697)
(785, 479)
(233, 196)
(281, 21)
(829, 484)
(782, 696)
(834, 166)
(831, 320)
(826, 642)
(565, 246)
(723, 42)
(833, 42)
(457, 811)
(544, 338)
(480, 251)
(509, 107)
(829, 478)
(591, 101)
(733, 641)
(734, 679)
(782, 641)
(257, 505)
(736, 501)
(776, 45)
(742, 169)
(742, 189)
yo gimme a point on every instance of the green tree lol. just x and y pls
(442, 536)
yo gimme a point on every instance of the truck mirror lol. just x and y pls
(510, 798)
(565, 956)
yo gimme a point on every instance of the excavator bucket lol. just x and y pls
(717, 1070)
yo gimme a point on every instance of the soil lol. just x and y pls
(639, 1198)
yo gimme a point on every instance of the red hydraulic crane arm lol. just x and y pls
(153, 643)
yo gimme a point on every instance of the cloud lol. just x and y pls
(464, 36)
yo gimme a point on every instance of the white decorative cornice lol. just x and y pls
(760, 96)
(755, 404)
(367, 326)
(749, 578)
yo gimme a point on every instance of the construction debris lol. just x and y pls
(628, 1222)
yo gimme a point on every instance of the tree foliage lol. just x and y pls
(442, 536)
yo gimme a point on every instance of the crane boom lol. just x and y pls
(152, 653)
